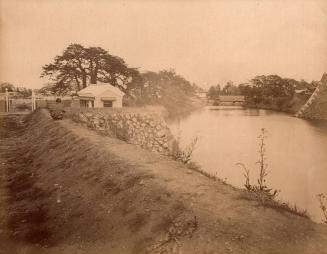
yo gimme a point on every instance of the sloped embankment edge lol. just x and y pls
(97, 198)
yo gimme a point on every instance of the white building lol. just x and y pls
(101, 95)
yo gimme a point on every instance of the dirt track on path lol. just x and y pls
(66, 189)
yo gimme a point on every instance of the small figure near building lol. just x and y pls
(101, 95)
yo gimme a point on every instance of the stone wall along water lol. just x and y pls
(134, 126)
(316, 106)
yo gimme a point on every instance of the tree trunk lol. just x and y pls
(93, 78)
(94, 74)
(78, 83)
(84, 81)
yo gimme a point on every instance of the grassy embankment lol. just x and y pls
(66, 189)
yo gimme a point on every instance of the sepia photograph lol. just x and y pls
(163, 127)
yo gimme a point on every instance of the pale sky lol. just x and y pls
(207, 42)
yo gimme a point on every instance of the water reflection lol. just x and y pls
(296, 149)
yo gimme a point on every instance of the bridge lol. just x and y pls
(316, 106)
(229, 100)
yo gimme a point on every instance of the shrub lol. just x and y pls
(183, 154)
(57, 114)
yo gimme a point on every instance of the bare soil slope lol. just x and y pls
(65, 189)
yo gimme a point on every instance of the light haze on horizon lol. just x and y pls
(207, 42)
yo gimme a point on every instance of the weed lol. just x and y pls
(261, 192)
(261, 189)
(321, 199)
(171, 243)
(262, 159)
(183, 154)
(246, 174)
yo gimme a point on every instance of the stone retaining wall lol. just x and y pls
(316, 106)
(138, 127)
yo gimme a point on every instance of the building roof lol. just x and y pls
(227, 98)
(100, 89)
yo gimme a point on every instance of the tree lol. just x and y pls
(214, 92)
(164, 88)
(273, 86)
(245, 90)
(24, 92)
(152, 86)
(10, 87)
(48, 89)
(230, 89)
(78, 66)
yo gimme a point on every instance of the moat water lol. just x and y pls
(296, 150)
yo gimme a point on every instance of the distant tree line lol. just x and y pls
(263, 89)
(229, 89)
(19, 91)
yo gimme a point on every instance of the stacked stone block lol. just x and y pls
(145, 129)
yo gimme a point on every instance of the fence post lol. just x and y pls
(32, 98)
(7, 100)
(33, 101)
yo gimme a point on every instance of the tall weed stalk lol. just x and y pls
(260, 188)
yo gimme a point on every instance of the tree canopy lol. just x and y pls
(272, 86)
(153, 86)
(19, 91)
(214, 92)
(10, 87)
(78, 66)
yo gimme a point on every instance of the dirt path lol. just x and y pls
(65, 189)
(21, 214)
